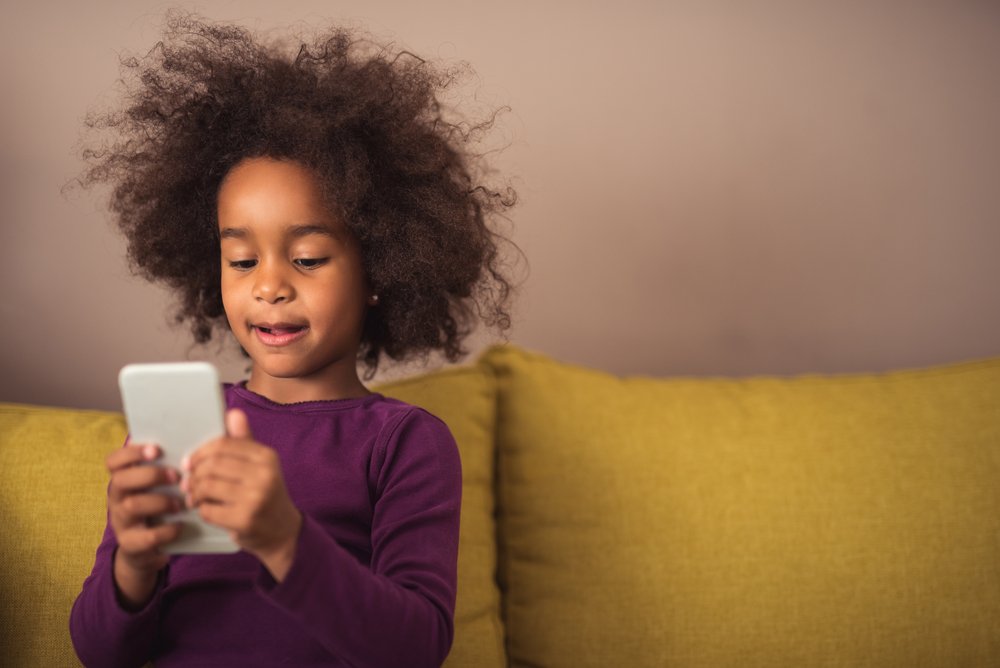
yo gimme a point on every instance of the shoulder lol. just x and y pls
(407, 422)
(400, 412)
(413, 434)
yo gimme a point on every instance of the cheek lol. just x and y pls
(230, 302)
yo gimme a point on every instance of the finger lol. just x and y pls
(130, 455)
(222, 447)
(227, 517)
(238, 436)
(221, 467)
(216, 491)
(137, 478)
(145, 539)
(136, 508)
(237, 424)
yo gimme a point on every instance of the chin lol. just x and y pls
(291, 368)
(282, 371)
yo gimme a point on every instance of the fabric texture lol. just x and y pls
(848, 520)
(52, 511)
(378, 482)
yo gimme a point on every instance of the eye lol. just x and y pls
(243, 265)
(311, 262)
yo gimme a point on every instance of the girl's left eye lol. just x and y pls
(310, 262)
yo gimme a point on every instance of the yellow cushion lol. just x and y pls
(814, 521)
(465, 398)
(52, 511)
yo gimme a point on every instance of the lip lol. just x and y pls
(277, 334)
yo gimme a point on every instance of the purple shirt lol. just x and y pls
(379, 484)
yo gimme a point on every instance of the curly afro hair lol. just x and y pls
(366, 120)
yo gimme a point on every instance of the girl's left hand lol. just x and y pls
(236, 483)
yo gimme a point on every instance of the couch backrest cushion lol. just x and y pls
(52, 512)
(815, 521)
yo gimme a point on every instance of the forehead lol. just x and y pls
(269, 191)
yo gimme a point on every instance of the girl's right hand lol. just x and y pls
(138, 559)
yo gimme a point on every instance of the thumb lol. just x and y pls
(237, 425)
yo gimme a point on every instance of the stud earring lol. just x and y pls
(373, 300)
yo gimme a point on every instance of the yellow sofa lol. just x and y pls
(847, 520)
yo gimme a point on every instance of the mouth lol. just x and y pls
(278, 334)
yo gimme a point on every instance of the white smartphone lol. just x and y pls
(178, 406)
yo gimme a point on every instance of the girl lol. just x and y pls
(323, 210)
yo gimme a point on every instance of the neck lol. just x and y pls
(308, 388)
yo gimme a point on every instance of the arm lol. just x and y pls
(396, 612)
(113, 620)
(103, 631)
(400, 611)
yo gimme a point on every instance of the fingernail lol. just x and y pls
(149, 452)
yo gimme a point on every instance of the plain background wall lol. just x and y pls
(706, 187)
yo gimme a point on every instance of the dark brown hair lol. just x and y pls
(365, 118)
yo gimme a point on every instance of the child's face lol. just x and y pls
(292, 280)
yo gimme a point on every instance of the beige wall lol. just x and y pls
(706, 188)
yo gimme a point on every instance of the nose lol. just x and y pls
(271, 284)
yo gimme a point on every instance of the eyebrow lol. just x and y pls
(296, 231)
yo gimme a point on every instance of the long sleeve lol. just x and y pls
(103, 632)
(399, 611)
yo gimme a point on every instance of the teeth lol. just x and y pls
(279, 330)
